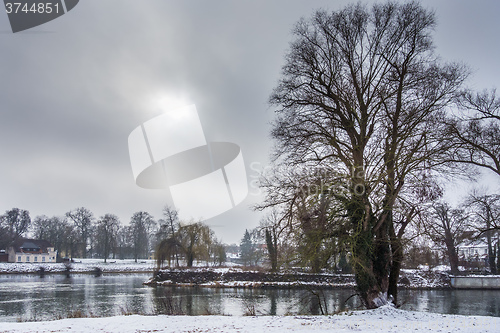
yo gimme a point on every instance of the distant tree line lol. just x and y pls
(79, 234)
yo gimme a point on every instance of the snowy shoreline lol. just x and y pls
(239, 278)
(80, 266)
(221, 277)
(384, 319)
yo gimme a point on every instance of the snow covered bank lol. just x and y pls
(80, 266)
(238, 278)
(385, 319)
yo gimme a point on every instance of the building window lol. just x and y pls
(36, 258)
(43, 258)
(19, 259)
(27, 258)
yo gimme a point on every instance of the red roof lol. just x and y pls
(23, 244)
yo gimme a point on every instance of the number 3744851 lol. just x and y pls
(34, 8)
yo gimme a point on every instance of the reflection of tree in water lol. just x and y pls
(479, 302)
(273, 297)
(313, 301)
(166, 302)
(330, 301)
(454, 304)
(192, 301)
(493, 308)
(250, 305)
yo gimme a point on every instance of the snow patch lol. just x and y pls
(380, 300)
(383, 319)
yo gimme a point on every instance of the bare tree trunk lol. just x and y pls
(397, 255)
(491, 257)
(491, 254)
(453, 256)
(272, 250)
(367, 285)
(190, 258)
(498, 256)
(397, 259)
(383, 256)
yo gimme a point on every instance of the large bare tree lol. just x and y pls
(107, 234)
(362, 93)
(486, 210)
(142, 226)
(168, 245)
(196, 240)
(13, 225)
(448, 228)
(83, 220)
(58, 231)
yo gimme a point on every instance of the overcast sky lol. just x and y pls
(73, 89)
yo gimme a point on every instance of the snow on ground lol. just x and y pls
(89, 265)
(384, 319)
(81, 265)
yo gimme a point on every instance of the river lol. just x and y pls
(31, 297)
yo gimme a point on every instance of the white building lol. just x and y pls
(476, 250)
(32, 251)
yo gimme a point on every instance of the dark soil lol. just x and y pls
(198, 277)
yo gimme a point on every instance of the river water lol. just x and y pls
(24, 297)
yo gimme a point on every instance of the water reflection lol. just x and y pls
(464, 302)
(57, 296)
(203, 301)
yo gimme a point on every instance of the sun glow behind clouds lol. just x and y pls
(163, 102)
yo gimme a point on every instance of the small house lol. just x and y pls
(32, 251)
(4, 257)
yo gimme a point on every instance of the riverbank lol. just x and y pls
(228, 277)
(80, 266)
(384, 319)
(239, 278)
